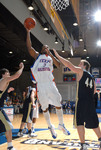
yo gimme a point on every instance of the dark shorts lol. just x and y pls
(86, 115)
(90, 122)
(5, 124)
(27, 112)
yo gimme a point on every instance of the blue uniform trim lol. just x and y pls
(32, 78)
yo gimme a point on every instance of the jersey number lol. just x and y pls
(44, 64)
(89, 83)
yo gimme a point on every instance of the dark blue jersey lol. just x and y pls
(86, 87)
(85, 108)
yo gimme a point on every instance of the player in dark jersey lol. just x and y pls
(5, 124)
(85, 113)
(28, 111)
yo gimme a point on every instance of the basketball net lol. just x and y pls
(59, 4)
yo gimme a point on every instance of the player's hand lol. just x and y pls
(26, 28)
(10, 89)
(55, 52)
(34, 105)
(21, 65)
(48, 52)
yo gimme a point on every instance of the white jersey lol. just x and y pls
(42, 69)
(47, 91)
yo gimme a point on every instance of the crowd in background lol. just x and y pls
(15, 100)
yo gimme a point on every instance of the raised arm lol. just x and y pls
(67, 63)
(55, 60)
(31, 50)
(17, 74)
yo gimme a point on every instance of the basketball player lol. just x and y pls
(47, 90)
(35, 110)
(27, 111)
(5, 124)
(85, 108)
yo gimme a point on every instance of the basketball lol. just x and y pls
(30, 23)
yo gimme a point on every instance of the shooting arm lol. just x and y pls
(31, 50)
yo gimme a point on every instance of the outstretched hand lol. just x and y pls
(10, 89)
(21, 65)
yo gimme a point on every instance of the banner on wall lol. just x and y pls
(98, 82)
(9, 111)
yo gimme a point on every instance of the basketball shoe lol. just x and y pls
(11, 148)
(32, 135)
(83, 146)
(63, 128)
(99, 142)
(20, 134)
(24, 130)
(33, 130)
(52, 130)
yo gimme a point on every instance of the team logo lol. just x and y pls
(67, 143)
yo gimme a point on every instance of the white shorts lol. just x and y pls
(36, 111)
(48, 94)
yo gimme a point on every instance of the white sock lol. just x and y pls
(47, 117)
(59, 113)
(10, 144)
(25, 125)
(33, 125)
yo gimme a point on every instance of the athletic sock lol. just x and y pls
(25, 125)
(59, 113)
(9, 144)
(47, 117)
(33, 125)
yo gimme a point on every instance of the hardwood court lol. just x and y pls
(48, 143)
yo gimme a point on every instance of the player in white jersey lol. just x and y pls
(47, 91)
